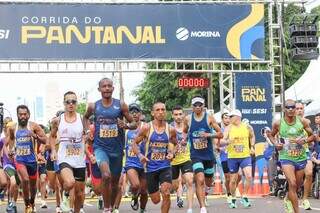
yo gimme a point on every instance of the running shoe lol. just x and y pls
(106, 210)
(142, 211)
(65, 205)
(233, 204)
(10, 207)
(135, 203)
(288, 206)
(58, 209)
(203, 210)
(115, 211)
(189, 211)
(245, 202)
(82, 210)
(306, 204)
(100, 203)
(179, 202)
(43, 204)
(28, 209)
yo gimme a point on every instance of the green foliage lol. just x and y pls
(81, 109)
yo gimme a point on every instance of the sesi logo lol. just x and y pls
(4, 34)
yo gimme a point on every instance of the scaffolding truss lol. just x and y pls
(226, 69)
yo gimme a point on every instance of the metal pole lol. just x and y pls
(210, 92)
(282, 40)
(118, 68)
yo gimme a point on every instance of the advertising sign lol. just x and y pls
(43, 31)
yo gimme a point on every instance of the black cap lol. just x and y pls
(134, 106)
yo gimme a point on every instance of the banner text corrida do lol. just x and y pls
(131, 31)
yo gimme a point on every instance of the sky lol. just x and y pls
(30, 85)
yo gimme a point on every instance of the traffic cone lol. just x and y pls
(218, 188)
(255, 189)
(265, 183)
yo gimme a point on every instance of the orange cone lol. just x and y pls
(218, 188)
(265, 183)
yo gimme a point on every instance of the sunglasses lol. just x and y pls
(290, 107)
(134, 111)
(198, 105)
(70, 102)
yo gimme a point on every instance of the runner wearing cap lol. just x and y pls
(133, 167)
(198, 125)
(292, 154)
(181, 161)
(240, 139)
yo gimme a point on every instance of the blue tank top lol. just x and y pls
(25, 147)
(156, 149)
(131, 159)
(200, 148)
(107, 135)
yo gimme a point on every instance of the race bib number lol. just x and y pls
(73, 151)
(158, 156)
(200, 144)
(238, 148)
(181, 149)
(131, 153)
(23, 151)
(294, 150)
(108, 131)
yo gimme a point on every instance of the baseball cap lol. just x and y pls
(236, 112)
(197, 100)
(134, 106)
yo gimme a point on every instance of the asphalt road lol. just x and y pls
(216, 205)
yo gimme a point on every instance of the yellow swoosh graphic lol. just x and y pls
(234, 34)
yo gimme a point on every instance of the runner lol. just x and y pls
(292, 154)
(225, 121)
(181, 161)
(52, 171)
(308, 170)
(160, 140)
(108, 138)
(199, 126)
(10, 170)
(42, 180)
(133, 167)
(240, 139)
(23, 138)
(3, 178)
(70, 157)
(94, 169)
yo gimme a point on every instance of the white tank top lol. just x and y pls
(71, 146)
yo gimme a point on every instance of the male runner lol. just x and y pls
(23, 139)
(108, 141)
(308, 171)
(70, 156)
(225, 121)
(133, 167)
(292, 154)
(240, 139)
(42, 172)
(160, 140)
(52, 171)
(199, 127)
(181, 161)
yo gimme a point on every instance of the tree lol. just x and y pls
(81, 109)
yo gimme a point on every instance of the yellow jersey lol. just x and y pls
(182, 153)
(239, 141)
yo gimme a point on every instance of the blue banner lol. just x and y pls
(131, 31)
(253, 93)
